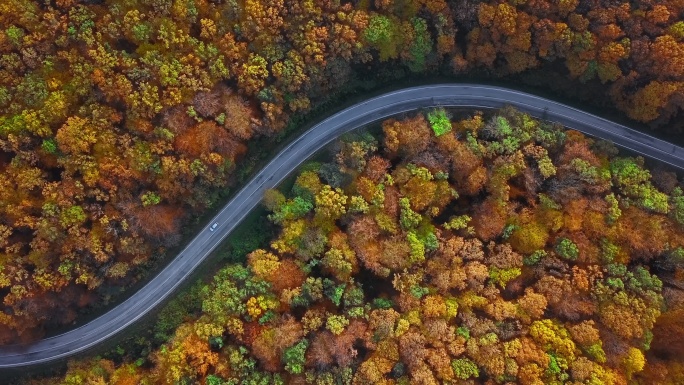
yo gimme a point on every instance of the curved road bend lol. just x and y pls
(457, 95)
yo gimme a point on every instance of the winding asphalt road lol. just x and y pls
(462, 95)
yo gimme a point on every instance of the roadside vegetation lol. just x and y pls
(500, 249)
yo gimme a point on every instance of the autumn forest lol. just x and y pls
(490, 249)
(438, 247)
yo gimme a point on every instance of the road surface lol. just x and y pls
(165, 283)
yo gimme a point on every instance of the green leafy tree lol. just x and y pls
(534, 258)
(458, 222)
(381, 34)
(49, 146)
(439, 121)
(677, 200)
(73, 215)
(614, 211)
(150, 198)
(417, 247)
(292, 209)
(464, 368)
(15, 34)
(421, 45)
(336, 323)
(567, 249)
(294, 357)
(408, 218)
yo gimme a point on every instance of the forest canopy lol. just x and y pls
(121, 118)
(502, 250)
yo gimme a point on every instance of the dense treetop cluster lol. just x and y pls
(484, 250)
